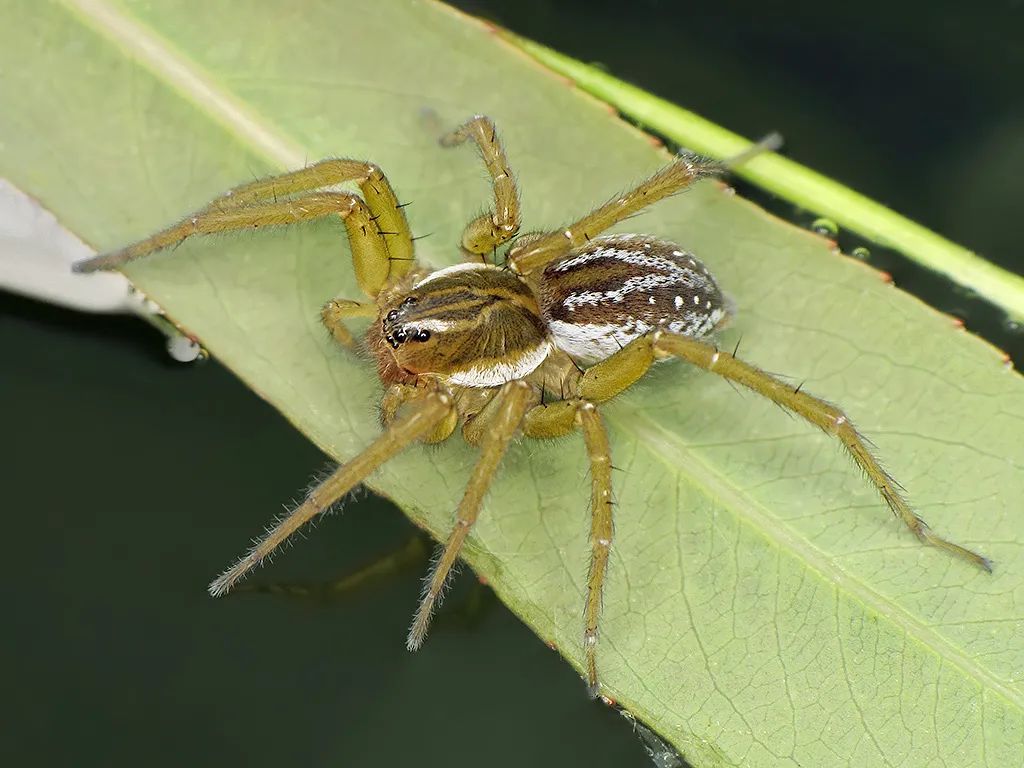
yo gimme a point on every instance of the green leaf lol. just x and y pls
(763, 608)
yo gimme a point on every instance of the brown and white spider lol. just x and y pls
(534, 348)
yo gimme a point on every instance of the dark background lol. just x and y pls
(113, 652)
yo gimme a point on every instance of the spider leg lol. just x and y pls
(479, 421)
(423, 416)
(247, 204)
(613, 375)
(377, 192)
(558, 419)
(530, 255)
(337, 311)
(513, 401)
(499, 225)
(398, 395)
(595, 437)
(370, 256)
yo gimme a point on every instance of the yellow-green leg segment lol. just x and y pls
(556, 420)
(829, 419)
(511, 403)
(420, 418)
(535, 253)
(377, 228)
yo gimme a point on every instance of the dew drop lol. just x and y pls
(825, 227)
(861, 253)
(1013, 326)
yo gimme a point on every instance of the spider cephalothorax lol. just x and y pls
(531, 349)
(474, 324)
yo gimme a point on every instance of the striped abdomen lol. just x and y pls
(619, 287)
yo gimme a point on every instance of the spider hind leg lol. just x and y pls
(612, 376)
(828, 418)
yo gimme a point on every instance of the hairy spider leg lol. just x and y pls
(422, 416)
(556, 420)
(499, 225)
(537, 252)
(829, 419)
(284, 199)
(510, 405)
(380, 198)
(595, 437)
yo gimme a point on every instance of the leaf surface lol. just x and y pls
(762, 608)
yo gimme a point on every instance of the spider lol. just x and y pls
(572, 320)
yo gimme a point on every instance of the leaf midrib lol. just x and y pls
(187, 78)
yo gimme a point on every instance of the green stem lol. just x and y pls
(793, 182)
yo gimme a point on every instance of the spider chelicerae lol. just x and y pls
(573, 319)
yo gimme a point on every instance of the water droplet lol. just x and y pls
(825, 227)
(1013, 326)
(861, 253)
(185, 350)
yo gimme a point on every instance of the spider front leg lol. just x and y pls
(615, 374)
(510, 405)
(556, 420)
(377, 228)
(486, 232)
(425, 413)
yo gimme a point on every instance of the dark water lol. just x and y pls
(113, 653)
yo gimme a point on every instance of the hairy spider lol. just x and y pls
(574, 320)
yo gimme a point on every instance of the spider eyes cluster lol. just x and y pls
(402, 334)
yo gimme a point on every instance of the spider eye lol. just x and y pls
(409, 300)
(392, 315)
(400, 335)
(422, 335)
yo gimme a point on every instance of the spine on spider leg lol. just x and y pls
(417, 423)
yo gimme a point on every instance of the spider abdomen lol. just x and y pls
(617, 288)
